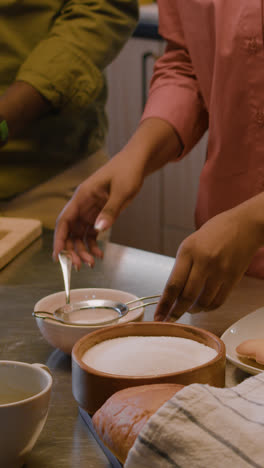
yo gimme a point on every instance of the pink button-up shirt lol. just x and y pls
(212, 76)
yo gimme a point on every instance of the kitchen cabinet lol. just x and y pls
(128, 82)
(161, 215)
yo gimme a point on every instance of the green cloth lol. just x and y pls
(61, 48)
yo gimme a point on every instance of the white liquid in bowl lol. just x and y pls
(147, 355)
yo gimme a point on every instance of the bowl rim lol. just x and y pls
(45, 391)
(221, 353)
(82, 327)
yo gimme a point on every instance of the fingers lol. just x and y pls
(224, 291)
(69, 246)
(80, 251)
(174, 286)
(109, 213)
(94, 248)
(60, 237)
(194, 285)
(211, 289)
(76, 233)
(199, 293)
(62, 229)
(94, 208)
(208, 265)
(118, 199)
(83, 247)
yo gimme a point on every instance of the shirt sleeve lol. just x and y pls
(174, 93)
(67, 65)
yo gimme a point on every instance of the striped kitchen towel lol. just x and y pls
(205, 427)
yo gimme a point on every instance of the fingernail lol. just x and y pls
(100, 225)
(88, 264)
(76, 268)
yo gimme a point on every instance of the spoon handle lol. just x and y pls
(66, 265)
(143, 305)
(143, 299)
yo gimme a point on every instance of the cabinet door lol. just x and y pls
(128, 82)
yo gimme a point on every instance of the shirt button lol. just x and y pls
(260, 118)
(252, 45)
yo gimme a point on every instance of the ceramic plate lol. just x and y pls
(249, 327)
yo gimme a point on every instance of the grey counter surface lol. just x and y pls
(66, 441)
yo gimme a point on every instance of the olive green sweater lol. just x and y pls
(60, 47)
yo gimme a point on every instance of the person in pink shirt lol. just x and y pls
(210, 77)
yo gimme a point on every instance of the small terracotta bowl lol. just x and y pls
(91, 388)
(64, 336)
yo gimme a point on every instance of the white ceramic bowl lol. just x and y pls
(64, 336)
(25, 395)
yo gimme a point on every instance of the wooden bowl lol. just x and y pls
(91, 388)
(64, 336)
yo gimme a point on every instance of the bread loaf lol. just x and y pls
(119, 421)
(252, 349)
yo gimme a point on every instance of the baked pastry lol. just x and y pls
(252, 349)
(119, 421)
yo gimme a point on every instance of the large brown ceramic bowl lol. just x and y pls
(91, 388)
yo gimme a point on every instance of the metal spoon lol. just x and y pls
(66, 265)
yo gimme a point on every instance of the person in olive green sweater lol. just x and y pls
(53, 91)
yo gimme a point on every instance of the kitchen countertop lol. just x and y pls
(66, 441)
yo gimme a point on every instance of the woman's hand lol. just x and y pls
(94, 207)
(99, 199)
(212, 260)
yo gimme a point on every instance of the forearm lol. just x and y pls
(252, 211)
(153, 145)
(67, 65)
(174, 93)
(20, 105)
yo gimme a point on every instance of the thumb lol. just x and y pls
(109, 213)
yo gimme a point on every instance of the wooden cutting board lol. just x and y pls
(15, 235)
